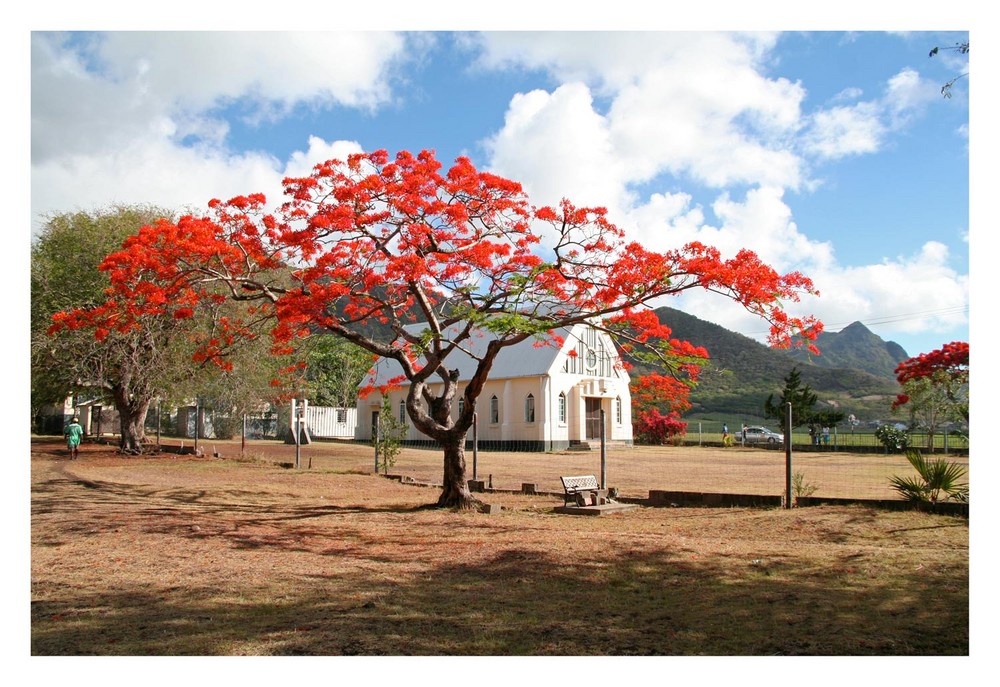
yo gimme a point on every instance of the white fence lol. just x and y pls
(331, 423)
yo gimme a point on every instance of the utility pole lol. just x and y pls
(788, 455)
(475, 446)
(604, 454)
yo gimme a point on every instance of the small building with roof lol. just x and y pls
(538, 397)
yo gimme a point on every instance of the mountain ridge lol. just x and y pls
(856, 347)
(742, 372)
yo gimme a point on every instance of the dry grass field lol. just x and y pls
(179, 555)
(634, 471)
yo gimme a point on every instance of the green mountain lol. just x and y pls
(742, 372)
(855, 347)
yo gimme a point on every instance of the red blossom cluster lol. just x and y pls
(652, 427)
(656, 391)
(951, 359)
(950, 364)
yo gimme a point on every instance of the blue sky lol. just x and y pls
(828, 152)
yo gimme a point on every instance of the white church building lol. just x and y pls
(537, 398)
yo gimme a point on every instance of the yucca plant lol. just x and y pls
(935, 479)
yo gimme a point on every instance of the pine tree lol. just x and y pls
(801, 397)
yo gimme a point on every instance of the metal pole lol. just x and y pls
(243, 435)
(295, 424)
(159, 410)
(304, 423)
(197, 425)
(475, 446)
(604, 454)
(788, 455)
(375, 434)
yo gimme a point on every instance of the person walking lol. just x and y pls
(74, 434)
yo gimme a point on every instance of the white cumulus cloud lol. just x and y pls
(131, 117)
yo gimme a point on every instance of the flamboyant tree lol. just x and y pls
(80, 344)
(659, 400)
(935, 387)
(379, 243)
(65, 256)
(950, 362)
(126, 369)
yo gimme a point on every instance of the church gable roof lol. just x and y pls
(529, 358)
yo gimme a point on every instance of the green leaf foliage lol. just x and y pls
(935, 480)
(334, 370)
(892, 439)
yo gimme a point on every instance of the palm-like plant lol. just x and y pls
(934, 479)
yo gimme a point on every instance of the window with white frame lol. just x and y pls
(589, 356)
(562, 407)
(494, 410)
(618, 410)
(402, 412)
(529, 408)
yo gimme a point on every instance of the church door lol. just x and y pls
(593, 417)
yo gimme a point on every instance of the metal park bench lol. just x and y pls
(583, 490)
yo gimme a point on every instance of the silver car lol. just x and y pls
(761, 435)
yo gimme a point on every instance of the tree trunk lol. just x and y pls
(133, 420)
(455, 493)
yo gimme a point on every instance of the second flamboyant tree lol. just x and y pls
(378, 244)
(935, 387)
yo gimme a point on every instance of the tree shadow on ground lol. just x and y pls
(395, 593)
(247, 519)
(522, 602)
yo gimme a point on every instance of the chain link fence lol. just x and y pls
(849, 463)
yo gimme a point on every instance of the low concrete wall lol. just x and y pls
(660, 498)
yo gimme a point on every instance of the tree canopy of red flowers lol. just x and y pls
(948, 365)
(952, 359)
(363, 247)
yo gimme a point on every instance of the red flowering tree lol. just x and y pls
(128, 370)
(130, 358)
(935, 386)
(379, 243)
(658, 400)
(950, 361)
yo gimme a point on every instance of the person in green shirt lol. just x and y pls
(74, 434)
